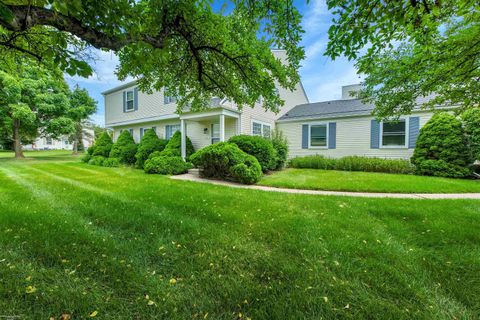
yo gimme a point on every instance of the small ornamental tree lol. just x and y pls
(280, 144)
(103, 145)
(441, 148)
(471, 122)
(149, 144)
(173, 147)
(124, 148)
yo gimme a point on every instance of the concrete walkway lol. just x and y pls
(196, 178)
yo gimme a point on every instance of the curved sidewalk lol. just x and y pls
(196, 178)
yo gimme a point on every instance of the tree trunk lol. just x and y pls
(77, 137)
(75, 147)
(17, 142)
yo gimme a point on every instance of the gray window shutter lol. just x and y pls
(375, 134)
(142, 132)
(135, 99)
(304, 136)
(168, 129)
(124, 101)
(413, 130)
(332, 135)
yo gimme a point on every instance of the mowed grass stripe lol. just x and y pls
(283, 263)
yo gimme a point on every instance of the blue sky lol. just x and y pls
(321, 77)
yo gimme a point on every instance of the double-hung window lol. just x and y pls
(318, 135)
(142, 131)
(170, 130)
(129, 101)
(215, 132)
(261, 129)
(394, 133)
(48, 141)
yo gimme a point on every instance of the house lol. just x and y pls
(127, 108)
(332, 128)
(62, 143)
(346, 127)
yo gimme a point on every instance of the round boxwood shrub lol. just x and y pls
(259, 147)
(111, 162)
(471, 122)
(124, 148)
(97, 160)
(227, 161)
(173, 147)
(280, 144)
(149, 144)
(103, 145)
(166, 165)
(441, 148)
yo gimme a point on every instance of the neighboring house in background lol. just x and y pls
(346, 127)
(62, 143)
(127, 108)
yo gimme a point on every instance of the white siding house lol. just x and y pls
(62, 143)
(127, 108)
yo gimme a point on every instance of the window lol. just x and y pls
(48, 140)
(215, 132)
(394, 133)
(168, 99)
(170, 130)
(261, 129)
(131, 131)
(129, 101)
(66, 142)
(318, 135)
(142, 131)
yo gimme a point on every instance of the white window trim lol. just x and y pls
(126, 101)
(407, 130)
(263, 123)
(173, 132)
(309, 133)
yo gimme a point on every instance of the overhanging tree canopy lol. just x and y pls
(186, 46)
(410, 49)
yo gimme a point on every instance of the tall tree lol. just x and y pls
(33, 101)
(191, 48)
(81, 107)
(410, 49)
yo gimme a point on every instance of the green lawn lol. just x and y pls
(76, 239)
(316, 179)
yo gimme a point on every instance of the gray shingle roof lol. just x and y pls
(329, 109)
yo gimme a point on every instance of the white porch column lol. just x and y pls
(239, 125)
(222, 128)
(184, 139)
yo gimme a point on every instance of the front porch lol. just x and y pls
(208, 127)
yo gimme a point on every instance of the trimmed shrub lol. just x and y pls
(97, 160)
(248, 172)
(155, 154)
(227, 161)
(103, 145)
(280, 144)
(124, 148)
(259, 147)
(149, 144)
(111, 162)
(167, 165)
(353, 163)
(471, 122)
(173, 147)
(86, 157)
(91, 149)
(442, 148)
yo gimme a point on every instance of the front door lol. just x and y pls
(215, 132)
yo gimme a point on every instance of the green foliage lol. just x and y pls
(203, 51)
(471, 122)
(81, 107)
(173, 147)
(97, 160)
(415, 49)
(353, 163)
(149, 144)
(442, 148)
(103, 145)
(87, 156)
(167, 165)
(111, 162)
(227, 161)
(33, 101)
(280, 144)
(259, 147)
(124, 148)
